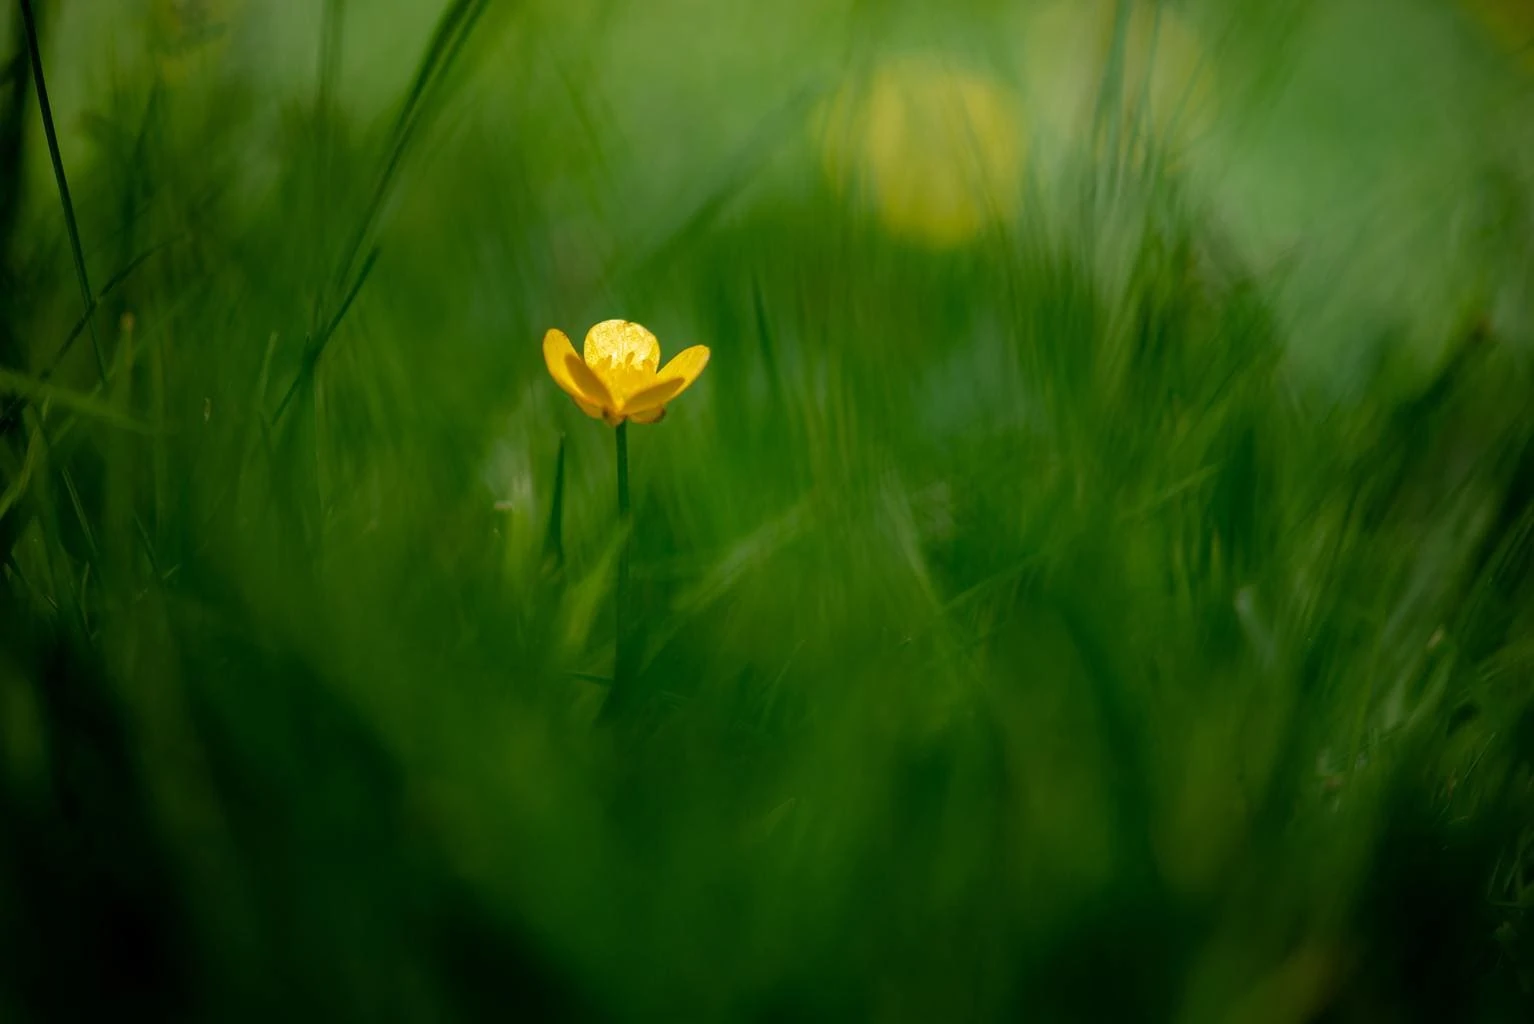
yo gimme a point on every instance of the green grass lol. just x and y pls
(1123, 616)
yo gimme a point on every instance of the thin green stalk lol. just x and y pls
(86, 295)
(553, 537)
(453, 30)
(317, 348)
(624, 625)
(9, 415)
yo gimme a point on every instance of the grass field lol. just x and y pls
(1093, 578)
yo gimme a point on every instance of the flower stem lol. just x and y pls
(622, 656)
(622, 434)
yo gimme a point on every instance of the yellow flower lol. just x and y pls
(618, 380)
(939, 149)
(1510, 24)
(190, 36)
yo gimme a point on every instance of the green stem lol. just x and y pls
(622, 434)
(622, 660)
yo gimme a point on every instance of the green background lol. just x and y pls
(1124, 615)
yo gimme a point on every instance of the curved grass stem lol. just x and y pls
(35, 52)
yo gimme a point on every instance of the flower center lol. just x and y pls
(626, 376)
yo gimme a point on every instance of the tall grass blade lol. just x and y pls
(87, 297)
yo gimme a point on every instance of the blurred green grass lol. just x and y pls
(1121, 614)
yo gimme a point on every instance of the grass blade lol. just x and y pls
(33, 390)
(553, 538)
(447, 42)
(317, 349)
(41, 84)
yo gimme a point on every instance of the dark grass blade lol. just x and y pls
(452, 32)
(553, 538)
(317, 348)
(9, 415)
(40, 83)
(446, 42)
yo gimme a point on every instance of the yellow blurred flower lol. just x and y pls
(1510, 24)
(939, 150)
(1165, 86)
(618, 379)
(189, 35)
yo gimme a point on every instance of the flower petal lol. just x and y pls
(654, 415)
(591, 386)
(556, 346)
(685, 366)
(653, 397)
(616, 343)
